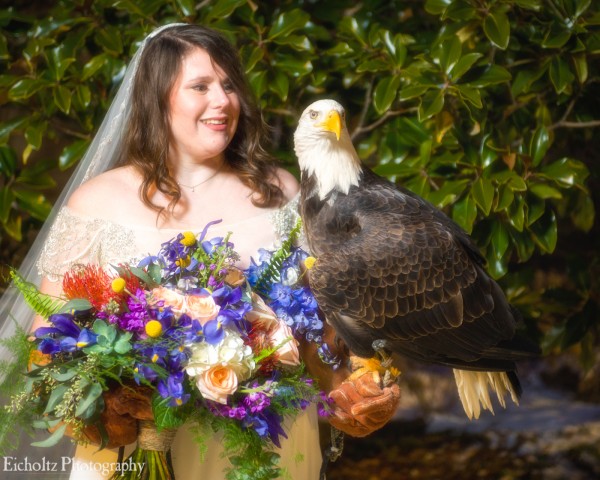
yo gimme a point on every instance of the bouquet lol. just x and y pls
(184, 336)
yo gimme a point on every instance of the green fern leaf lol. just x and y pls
(41, 303)
(273, 270)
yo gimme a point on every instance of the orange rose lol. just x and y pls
(261, 315)
(287, 353)
(171, 298)
(202, 308)
(217, 383)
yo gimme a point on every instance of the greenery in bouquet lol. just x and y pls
(210, 344)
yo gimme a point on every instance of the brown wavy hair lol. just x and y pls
(148, 130)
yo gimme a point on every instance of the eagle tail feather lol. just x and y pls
(474, 390)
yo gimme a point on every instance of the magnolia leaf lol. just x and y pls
(497, 28)
(464, 212)
(55, 398)
(385, 93)
(482, 192)
(545, 232)
(539, 145)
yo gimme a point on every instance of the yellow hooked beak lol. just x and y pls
(333, 123)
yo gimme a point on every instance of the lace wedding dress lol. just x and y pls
(78, 239)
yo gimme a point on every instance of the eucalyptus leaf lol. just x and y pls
(53, 439)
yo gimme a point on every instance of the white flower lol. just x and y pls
(231, 352)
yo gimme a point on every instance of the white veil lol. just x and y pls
(102, 155)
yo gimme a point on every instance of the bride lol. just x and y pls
(180, 147)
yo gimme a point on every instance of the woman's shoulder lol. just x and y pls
(109, 190)
(287, 183)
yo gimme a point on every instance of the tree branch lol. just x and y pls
(384, 118)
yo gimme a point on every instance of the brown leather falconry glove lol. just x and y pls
(363, 403)
(124, 406)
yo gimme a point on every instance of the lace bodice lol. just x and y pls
(75, 238)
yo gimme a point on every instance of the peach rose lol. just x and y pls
(281, 335)
(202, 308)
(235, 277)
(261, 315)
(171, 298)
(217, 383)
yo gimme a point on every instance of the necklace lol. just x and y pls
(193, 187)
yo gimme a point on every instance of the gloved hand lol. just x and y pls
(363, 404)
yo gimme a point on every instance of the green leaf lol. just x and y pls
(497, 28)
(412, 91)
(437, 7)
(90, 396)
(544, 191)
(470, 94)
(482, 192)
(463, 65)
(500, 240)
(166, 416)
(516, 213)
(431, 104)
(186, 7)
(567, 172)
(464, 212)
(448, 192)
(560, 74)
(6, 128)
(492, 75)
(58, 63)
(281, 85)
(25, 88)
(449, 53)
(584, 213)
(556, 39)
(109, 39)
(505, 198)
(7, 198)
(224, 8)
(76, 305)
(95, 64)
(581, 67)
(64, 376)
(53, 439)
(83, 97)
(287, 22)
(34, 203)
(258, 81)
(540, 142)
(34, 134)
(55, 398)
(122, 345)
(62, 98)
(535, 208)
(523, 244)
(72, 153)
(545, 232)
(385, 93)
(13, 226)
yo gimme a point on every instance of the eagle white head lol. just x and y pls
(324, 148)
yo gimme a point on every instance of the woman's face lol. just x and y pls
(204, 109)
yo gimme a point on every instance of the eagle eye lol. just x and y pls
(313, 114)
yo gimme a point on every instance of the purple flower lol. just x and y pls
(213, 332)
(172, 389)
(64, 336)
(257, 401)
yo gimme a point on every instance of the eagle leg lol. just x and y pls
(376, 366)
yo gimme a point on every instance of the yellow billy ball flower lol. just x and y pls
(183, 262)
(118, 285)
(310, 262)
(153, 328)
(188, 240)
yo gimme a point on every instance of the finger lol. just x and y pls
(367, 386)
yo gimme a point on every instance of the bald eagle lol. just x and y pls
(393, 272)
